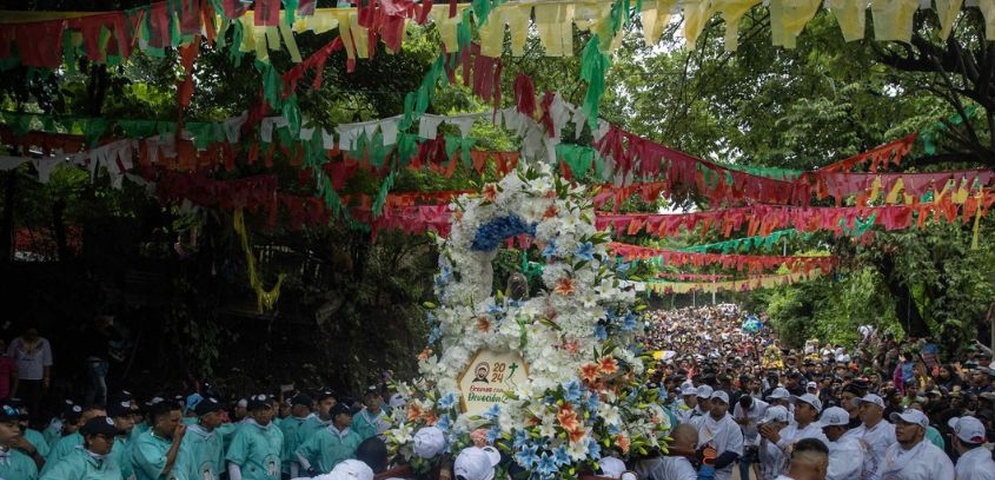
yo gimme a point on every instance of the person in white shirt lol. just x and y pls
(686, 407)
(876, 434)
(747, 412)
(685, 439)
(704, 405)
(773, 461)
(719, 431)
(975, 462)
(781, 396)
(911, 458)
(807, 409)
(846, 455)
(809, 461)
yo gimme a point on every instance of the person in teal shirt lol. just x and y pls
(331, 445)
(92, 461)
(300, 412)
(66, 425)
(372, 420)
(14, 464)
(202, 455)
(124, 423)
(69, 442)
(322, 419)
(153, 455)
(254, 453)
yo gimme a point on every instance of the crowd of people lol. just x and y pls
(883, 410)
(740, 405)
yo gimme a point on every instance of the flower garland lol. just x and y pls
(585, 393)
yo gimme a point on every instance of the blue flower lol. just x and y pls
(585, 252)
(561, 456)
(443, 423)
(491, 234)
(613, 429)
(447, 401)
(492, 412)
(550, 250)
(622, 269)
(526, 457)
(593, 449)
(592, 402)
(521, 439)
(495, 309)
(629, 323)
(547, 465)
(435, 334)
(493, 433)
(571, 391)
(600, 333)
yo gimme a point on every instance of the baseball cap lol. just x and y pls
(910, 416)
(775, 413)
(99, 426)
(119, 409)
(834, 416)
(809, 399)
(720, 395)
(429, 442)
(779, 393)
(323, 395)
(72, 413)
(257, 402)
(688, 390)
(475, 463)
(242, 403)
(339, 409)
(350, 469)
(968, 429)
(705, 391)
(397, 400)
(192, 401)
(9, 413)
(870, 398)
(811, 385)
(207, 405)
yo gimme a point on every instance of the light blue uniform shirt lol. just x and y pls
(311, 426)
(289, 426)
(34, 437)
(15, 465)
(367, 424)
(81, 465)
(201, 456)
(148, 456)
(63, 447)
(328, 447)
(121, 456)
(256, 450)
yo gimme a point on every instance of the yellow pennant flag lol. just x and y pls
(554, 24)
(947, 11)
(893, 19)
(656, 14)
(851, 16)
(732, 12)
(788, 18)
(892, 197)
(987, 8)
(695, 16)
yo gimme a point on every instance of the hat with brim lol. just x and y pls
(340, 409)
(775, 413)
(206, 406)
(968, 429)
(871, 399)
(834, 417)
(910, 416)
(809, 399)
(720, 396)
(779, 393)
(99, 426)
(259, 402)
(350, 469)
(301, 399)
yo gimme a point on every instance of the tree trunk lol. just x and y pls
(59, 229)
(909, 316)
(7, 225)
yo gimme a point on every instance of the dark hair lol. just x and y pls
(810, 445)
(373, 452)
(163, 408)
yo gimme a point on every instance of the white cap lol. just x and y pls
(611, 467)
(720, 395)
(429, 442)
(870, 398)
(243, 403)
(348, 470)
(968, 429)
(834, 416)
(779, 393)
(812, 385)
(809, 399)
(688, 390)
(705, 391)
(397, 400)
(775, 413)
(910, 416)
(474, 464)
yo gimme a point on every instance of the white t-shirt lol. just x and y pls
(725, 436)
(976, 464)
(792, 433)
(922, 462)
(666, 468)
(846, 459)
(31, 361)
(773, 461)
(751, 436)
(876, 441)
